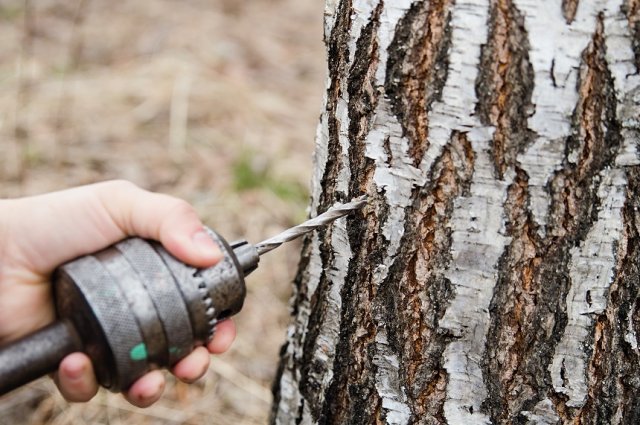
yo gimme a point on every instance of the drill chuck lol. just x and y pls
(132, 308)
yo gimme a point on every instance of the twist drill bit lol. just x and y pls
(327, 217)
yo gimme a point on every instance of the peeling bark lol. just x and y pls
(494, 275)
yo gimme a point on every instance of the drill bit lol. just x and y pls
(327, 217)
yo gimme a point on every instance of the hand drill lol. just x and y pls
(133, 307)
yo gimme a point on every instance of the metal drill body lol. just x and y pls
(133, 307)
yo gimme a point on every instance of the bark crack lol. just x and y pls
(505, 84)
(363, 100)
(338, 59)
(513, 309)
(417, 69)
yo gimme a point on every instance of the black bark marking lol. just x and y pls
(313, 369)
(363, 99)
(386, 146)
(512, 309)
(417, 69)
(596, 136)
(563, 373)
(338, 58)
(505, 84)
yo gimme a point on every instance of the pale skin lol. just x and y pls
(39, 233)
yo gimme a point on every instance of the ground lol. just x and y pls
(212, 101)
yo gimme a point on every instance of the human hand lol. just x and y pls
(39, 233)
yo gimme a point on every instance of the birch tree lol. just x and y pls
(494, 275)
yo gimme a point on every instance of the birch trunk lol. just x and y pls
(494, 275)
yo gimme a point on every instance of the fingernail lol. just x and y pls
(205, 244)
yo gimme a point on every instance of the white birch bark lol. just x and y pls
(497, 141)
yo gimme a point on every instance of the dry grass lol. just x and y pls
(212, 101)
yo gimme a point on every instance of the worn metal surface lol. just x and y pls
(132, 308)
(163, 291)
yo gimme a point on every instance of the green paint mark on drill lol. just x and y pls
(174, 350)
(139, 352)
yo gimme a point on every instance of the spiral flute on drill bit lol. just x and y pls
(310, 225)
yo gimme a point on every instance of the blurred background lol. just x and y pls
(213, 101)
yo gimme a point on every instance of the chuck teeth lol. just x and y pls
(210, 312)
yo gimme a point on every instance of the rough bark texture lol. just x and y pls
(494, 276)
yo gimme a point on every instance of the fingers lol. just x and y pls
(223, 337)
(75, 378)
(77, 383)
(64, 225)
(146, 390)
(192, 367)
(195, 365)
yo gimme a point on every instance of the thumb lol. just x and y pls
(172, 221)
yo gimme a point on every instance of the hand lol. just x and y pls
(39, 233)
